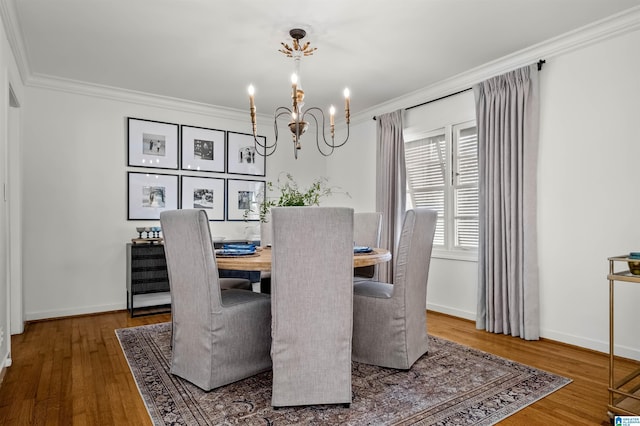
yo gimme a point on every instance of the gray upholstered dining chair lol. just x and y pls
(312, 310)
(367, 227)
(389, 320)
(237, 283)
(219, 337)
(265, 240)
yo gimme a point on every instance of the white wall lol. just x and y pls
(587, 188)
(353, 168)
(588, 203)
(75, 187)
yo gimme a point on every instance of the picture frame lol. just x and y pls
(242, 157)
(149, 194)
(199, 192)
(203, 149)
(152, 144)
(242, 195)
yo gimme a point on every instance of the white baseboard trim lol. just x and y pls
(596, 345)
(569, 339)
(39, 315)
(6, 363)
(451, 311)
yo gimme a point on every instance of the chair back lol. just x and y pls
(411, 266)
(311, 305)
(367, 228)
(193, 273)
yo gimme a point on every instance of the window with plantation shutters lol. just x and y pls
(442, 174)
(465, 186)
(426, 177)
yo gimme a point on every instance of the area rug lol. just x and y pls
(451, 385)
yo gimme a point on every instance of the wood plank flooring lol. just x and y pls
(71, 371)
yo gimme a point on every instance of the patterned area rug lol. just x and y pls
(450, 385)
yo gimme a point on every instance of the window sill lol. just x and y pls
(465, 256)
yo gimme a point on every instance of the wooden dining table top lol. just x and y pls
(261, 260)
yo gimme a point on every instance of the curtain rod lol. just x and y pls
(540, 63)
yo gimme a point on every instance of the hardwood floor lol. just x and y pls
(72, 371)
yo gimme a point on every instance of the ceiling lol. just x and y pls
(209, 51)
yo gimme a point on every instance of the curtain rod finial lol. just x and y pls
(541, 62)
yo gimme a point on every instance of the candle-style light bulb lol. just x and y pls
(252, 109)
(347, 113)
(332, 112)
(252, 92)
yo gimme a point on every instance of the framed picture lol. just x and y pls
(203, 193)
(243, 195)
(202, 149)
(152, 144)
(149, 194)
(242, 158)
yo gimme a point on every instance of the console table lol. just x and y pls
(147, 280)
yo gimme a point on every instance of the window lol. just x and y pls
(442, 174)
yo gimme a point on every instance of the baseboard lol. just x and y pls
(451, 311)
(582, 342)
(596, 345)
(31, 316)
(4, 364)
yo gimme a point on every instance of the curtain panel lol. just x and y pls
(391, 182)
(507, 110)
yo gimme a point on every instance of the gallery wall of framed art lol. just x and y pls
(179, 166)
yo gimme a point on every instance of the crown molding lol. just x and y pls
(613, 26)
(132, 96)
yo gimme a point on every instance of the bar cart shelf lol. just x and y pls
(624, 393)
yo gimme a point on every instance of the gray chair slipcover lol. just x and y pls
(219, 337)
(311, 302)
(367, 227)
(265, 240)
(389, 321)
(237, 283)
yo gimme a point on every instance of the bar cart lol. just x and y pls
(624, 393)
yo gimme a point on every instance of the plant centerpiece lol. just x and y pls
(290, 195)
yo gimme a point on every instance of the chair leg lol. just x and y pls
(265, 285)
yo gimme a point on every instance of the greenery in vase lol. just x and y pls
(291, 195)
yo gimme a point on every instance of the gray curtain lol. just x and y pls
(391, 178)
(507, 116)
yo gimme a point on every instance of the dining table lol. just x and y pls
(261, 260)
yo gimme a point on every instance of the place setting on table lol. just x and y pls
(360, 250)
(238, 250)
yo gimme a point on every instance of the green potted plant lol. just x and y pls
(290, 195)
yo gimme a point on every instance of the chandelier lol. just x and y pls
(297, 114)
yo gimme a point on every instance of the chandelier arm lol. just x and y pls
(267, 149)
(310, 112)
(344, 141)
(332, 145)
